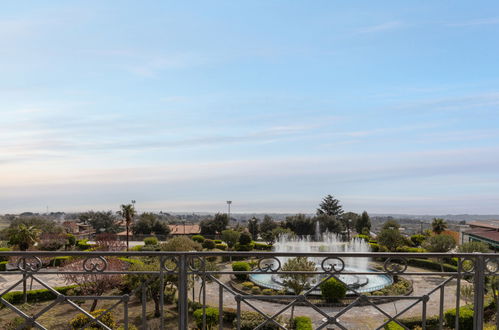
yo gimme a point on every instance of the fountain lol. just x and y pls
(327, 242)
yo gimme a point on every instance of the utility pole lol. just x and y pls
(228, 213)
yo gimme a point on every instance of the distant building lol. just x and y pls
(79, 229)
(184, 229)
(486, 232)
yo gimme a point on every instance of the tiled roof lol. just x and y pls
(489, 225)
(492, 235)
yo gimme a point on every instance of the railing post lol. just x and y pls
(479, 292)
(183, 304)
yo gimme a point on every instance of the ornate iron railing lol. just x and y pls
(193, 277)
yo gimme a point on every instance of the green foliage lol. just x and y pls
(180, 243)
(231, 237)
(267, 292)
(222, 246)
(33, 296)
(271, 236)
(215, 225)
(418, 239)
(3, 266)
(262, 246)
(240, 247)
(429, 264)
(241, 266)
(390, 237)
(70, 240)
(302, 323)
(297, 282)
(211, 317)
(24, 236)
(330, 206)
(438, 225)
(245, 239)
(251, 320)
(256, 290)
(440, 243)
(83, 245)
(267, 224)
(148, 223)
(364, 237)
(99, 220)
(300, 224)
(393, 326)
(198, 238)
(217, 241)
(80, 320)
(327, 223)
(4, 258)
(470, 247)
(465, 318)
(59, 261)
(399, 288)
(247, 285)
(364, 222)
(151, 241)
(209, 244)
(333, 290)
(410, 249)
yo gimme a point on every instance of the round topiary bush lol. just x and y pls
(256, 290)
(151, 241)
(247, 285)
(221, 246)
(81, 320)
(209, 244)
(245, 238)
(241, 266)
(211, 317)
(267, 292)
(333, 290)
(198, 238)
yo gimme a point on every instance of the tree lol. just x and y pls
(253, 228)
(245, 238)
(438, 225)
(181, 243)
(470, 247)
(94, 283)
(389, 224)
(300, 224)
(328, 223)
(45, 225)
(127, 212)
(391, 238)
(363, 222)
(297, 282)
(102, 222)
(440, 243)
(214, 226)
(267, 224)
(271, 236)
(330, 206)
(148, 223)
(231, 237)
(24, 236)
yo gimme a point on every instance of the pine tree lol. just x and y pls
(330, 206)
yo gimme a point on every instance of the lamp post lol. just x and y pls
(228, 213)
(421, 224)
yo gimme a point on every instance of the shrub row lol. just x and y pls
(17, 297)
(3, 266)
(302, 323)
(262, 246)
(430, 264)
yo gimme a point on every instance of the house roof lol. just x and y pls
(486, 234)
(488, 225)
(184, 229)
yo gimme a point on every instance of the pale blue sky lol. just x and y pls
(393, 107)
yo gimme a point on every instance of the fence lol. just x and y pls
(193, 276)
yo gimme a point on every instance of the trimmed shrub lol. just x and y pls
(217, 241)
(4, 258)
(137, 248)
(221, 246)
(247, 285)
(151, 241)
(364, 237)
(410, 249)
(302, 323)
(267, 292)
(131, 261)
(209, 244)
(81, 320)
(333, 290)
(262, 246)
(250, 320)
(417, 239)
(3, 266)
(16, 297)
(211, 317)
(256, 290)
(198, 238)
(393, 326)
(430, 264)
(82, 244)
(465, 318)
(70, 239)
(241, 266)
(240, 247)
(59, 261)
(245, 238)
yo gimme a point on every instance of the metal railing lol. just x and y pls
(191, 275)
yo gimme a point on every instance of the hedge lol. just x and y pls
(17, 297)
(465, 318)
(209, 244)
(3, 266)
(131, 261)
(198, 238)
(151, 240)
(81, 320)
(221, 246)
(82, 244)
(302, 323)
(59, 261)
(241, 266)
(250, 320)
(4, 258)
(262, 246)
(211, 317)
(430, 264)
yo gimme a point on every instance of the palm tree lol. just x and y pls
(24, 236)
(438, 225)
(127, 212)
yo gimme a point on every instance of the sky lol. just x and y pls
(392, 107)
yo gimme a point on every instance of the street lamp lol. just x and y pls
(228, 213)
